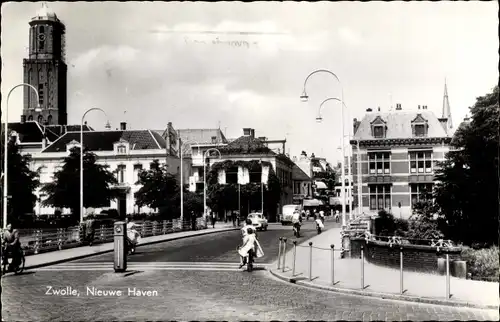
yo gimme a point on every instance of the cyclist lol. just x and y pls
(12, 245)
(296, 221)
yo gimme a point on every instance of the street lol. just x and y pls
(194, 278)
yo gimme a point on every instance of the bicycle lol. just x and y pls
(8, 267)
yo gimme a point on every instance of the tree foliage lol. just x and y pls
(64, 190)
(158, 187)
(467, 189)
(21, 183)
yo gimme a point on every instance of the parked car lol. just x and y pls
(258, 220)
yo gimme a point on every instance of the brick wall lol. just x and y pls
(415, 257)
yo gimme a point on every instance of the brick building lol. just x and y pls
(399, 152)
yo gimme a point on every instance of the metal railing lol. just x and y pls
(282, 254)
(35, 241)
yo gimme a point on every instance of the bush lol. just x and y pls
(482, 264)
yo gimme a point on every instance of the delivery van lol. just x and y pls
(287, 213)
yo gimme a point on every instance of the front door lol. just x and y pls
(122, 205)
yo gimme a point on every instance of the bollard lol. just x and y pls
(310, 260)
(362, 267)
(294, 256)
(333, 263)
(401, 269)
(284, 255)
(279, 252)
(447, 275)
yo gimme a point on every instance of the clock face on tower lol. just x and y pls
(41, 37)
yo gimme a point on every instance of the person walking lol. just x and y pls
(193, 221)
(89, 229)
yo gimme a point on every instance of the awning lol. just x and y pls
(312, 203)
(320, 185)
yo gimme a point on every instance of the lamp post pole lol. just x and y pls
(6, 141)
(304, 98)
(81, 157)
(261, 189)
(181, 146)
(205, 178)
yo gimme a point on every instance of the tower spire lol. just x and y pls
(446, 106)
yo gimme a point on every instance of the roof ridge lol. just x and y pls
(156, 141)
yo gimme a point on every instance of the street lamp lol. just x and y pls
(205, 177)
(181, 146)
(37, 109)
(261, 189)
(81, 156)
(304, 98)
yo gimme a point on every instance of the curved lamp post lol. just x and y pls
(182, 145)
(304, 97)
(6, 138)
(81, 156)
(205, 178)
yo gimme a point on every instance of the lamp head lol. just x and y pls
(304, 97)
(319, 119)
(38, 108)
(108, 126)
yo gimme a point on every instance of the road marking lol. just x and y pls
(168, 266)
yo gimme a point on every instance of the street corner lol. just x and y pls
(286, 276)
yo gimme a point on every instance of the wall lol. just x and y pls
(415, 257)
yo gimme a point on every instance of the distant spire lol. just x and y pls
(446, 106)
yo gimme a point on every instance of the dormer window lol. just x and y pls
(419, 126)
(379, 128)
(378, 131)
(122, 147)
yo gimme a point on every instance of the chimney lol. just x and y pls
(379, 108)
(214, 139)
(368, 110)
(263, 139)
(23, 118)
(398, 107)
(466, 118)
(355, 125)
(419, 107)
(249, 132)
(123, 126)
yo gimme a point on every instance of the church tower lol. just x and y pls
(46, 70)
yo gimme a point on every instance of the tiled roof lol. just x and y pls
(246, 145)
(161, 141)
(55, 131)
(202, 135)
(104, 140)
(28, 131)
(399, 125)
(298, 174)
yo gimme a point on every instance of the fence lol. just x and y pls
(322, 261)
(35, 241)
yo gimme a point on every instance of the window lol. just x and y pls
(137, 171)
(256, 175)
(421, 162)
(40, 119)
(232, 175)
(199, 187)
(420, 130)
(379, 162)
(380, 197)
(200, 174)
(49, 119)
(378, 131)
(121, 149)
(40, 94)
(420, 192)
(30, 118)
(120, 173)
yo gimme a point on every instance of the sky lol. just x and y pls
(238, 65)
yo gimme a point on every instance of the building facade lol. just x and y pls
(127, 152)
(398, 156)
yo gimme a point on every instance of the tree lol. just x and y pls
(158, 191)
(467, 188)
(64, 191)
(22, 182)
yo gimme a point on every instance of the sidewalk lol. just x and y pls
(379, 281)
(54, 257)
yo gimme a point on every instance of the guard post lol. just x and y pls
(120, 243)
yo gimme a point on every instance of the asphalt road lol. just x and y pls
(193, 293)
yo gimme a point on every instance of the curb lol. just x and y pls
(58, 261)
(380, 295)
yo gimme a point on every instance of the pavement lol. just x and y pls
(197, 279)
(59, 256)
(379, 281)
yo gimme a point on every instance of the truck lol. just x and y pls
(287, 213)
